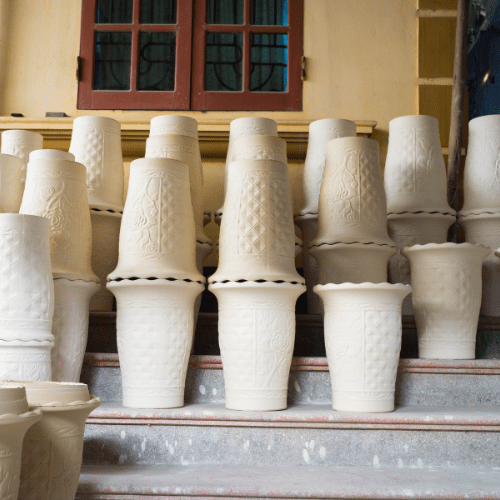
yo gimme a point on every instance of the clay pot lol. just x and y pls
(352, 206)
(415, 174)
(174, 124)
(484, 229)
(257, 236)
(53, 447)
(410, 229)
(259, 147)
(56, 189)
(96, 143)
(50, 154)
(12, 172)
(105, 237)
(363, 341)
(482, 167)
(70, 327)
(320, 132)
(352, 262)
(26, 298)
(256, 338)
(154, 325)
(446, 281)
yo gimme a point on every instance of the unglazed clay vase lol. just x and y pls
(352, 204)
(256, 338)
(363, 341)
(320, 132)
(174, 124)
(56, 189)
(352, 262)
(12, 172)
(54, 154)
(96, 143)
(259, 147)
(53, 447)
(70, 327)
(257, 236)
(446, 281)
(410, 229)
(21, 143)
(157, 235)
(105, 237)
(187, 150)
(26, 298)
(415, 174)
(482, 167)
(154, 332)
(484, 229)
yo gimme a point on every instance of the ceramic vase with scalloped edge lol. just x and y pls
(96, 143)
(414, 229)
(257, 235)
(53, 447)
(446, 282)
(154, 325)
(11, 183)
(363, 333)
(484, 229)
(320, 132)
(256, 338)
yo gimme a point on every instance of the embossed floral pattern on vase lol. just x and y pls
(259, 147)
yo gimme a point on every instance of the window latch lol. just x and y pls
(303, 68)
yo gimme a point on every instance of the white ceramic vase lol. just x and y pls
(259, 147)
(257, 236)
(484, 229)
(410, 229)
(352, 204)
(105, 237)
(51, 154)
(154, 332)
(26, 298)
(174, 124)
(482, 167)
(53, 447)
(363, 342)
(12, 174)
(256, 338)
(320, 132)
(415, 174)
(96, 143)
(446, 281)
(56, 189)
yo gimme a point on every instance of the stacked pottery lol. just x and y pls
(26, 298)
(56, 189)
(320, 132)
(155, 284)
(96, 143)
(480, 215)
(415, 186)
(352, 244)
(12, 178)
(257, 285)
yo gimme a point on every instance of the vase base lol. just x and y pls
(451, 350)
(366, 405)
(255, 404)
(140, 401)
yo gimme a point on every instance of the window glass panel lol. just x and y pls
(268, 57)
(157, 61)
(224, 11)
(114, 11)
(112, 61)
(223, 58)
(269, 12)
(155, 12)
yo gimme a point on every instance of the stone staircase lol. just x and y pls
(442, 442)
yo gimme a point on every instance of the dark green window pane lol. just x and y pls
(268, 62)
(269, 12)
(157, 61)
(114, 11)
(158, 12)
(224, 11)
(223, 61)
(112, 61)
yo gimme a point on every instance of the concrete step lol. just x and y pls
(312, 435)
(232, 482)
(419, 382)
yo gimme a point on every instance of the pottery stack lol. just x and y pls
(415, 186)
(156, 283)
(56, 189)
(480, 215)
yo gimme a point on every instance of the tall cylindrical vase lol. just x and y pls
(12, 175)
(363, 340)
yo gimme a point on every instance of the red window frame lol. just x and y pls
(88, 98)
